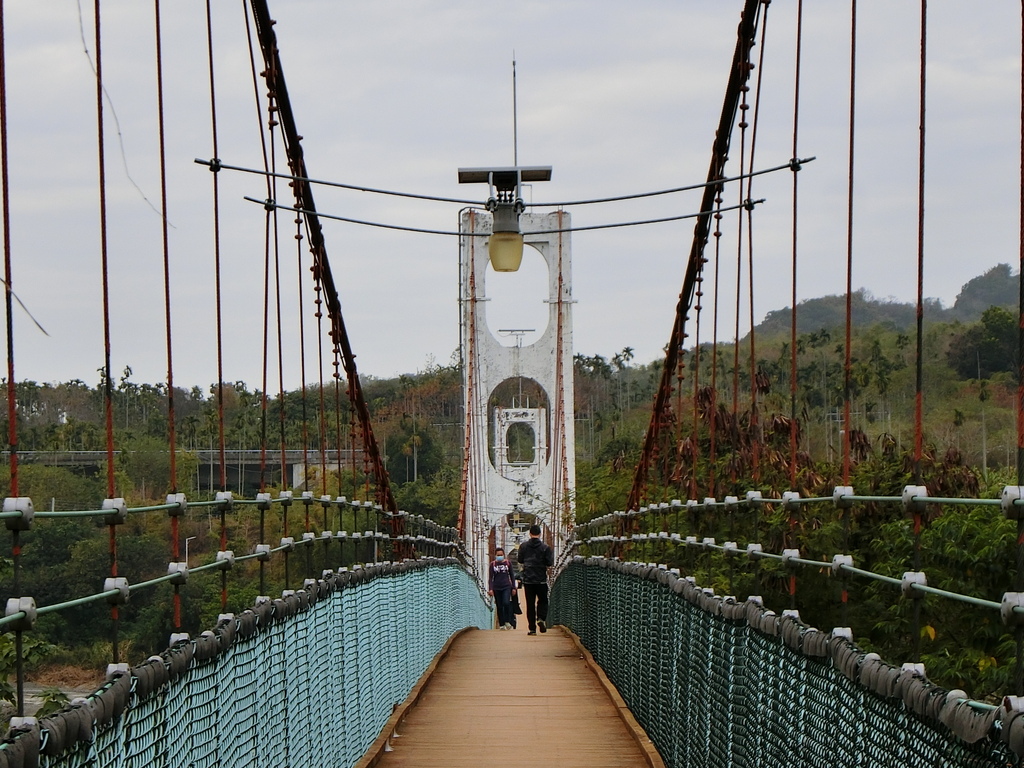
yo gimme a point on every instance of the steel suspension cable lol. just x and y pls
(293, 148)
(713, 406)
(266, 273)
(302, 355)
(676, 476)
(337, 424)
(278, 316)
(458, 201)
(468, 293)
(755, 417)
(5, 201)
(302, 379)
(560, 500)
(755, 436)
(267, 233)
(278, 312)
(792, 319)
(222, 457)
(1019, 579)
(222, 460)
(919, 386)
(264, 398)
(743, 125)
(322, 414)
(161, 133)
(919, 315)
(12, 411)
(737, 78)
(108, 395)
(695, 374)
(849, 244)
(171, 440)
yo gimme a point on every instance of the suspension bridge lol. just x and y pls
(680, 630)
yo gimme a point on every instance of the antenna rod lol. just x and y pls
(515, 116)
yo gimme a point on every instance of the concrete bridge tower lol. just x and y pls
(519, 448)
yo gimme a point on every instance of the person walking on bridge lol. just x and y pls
(501, 585)
(535, 557)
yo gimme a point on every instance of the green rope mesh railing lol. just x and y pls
(306, 680)
(720, 684)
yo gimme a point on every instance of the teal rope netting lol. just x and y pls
(307, 680)
(718, 683)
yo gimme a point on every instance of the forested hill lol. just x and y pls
(997, 287)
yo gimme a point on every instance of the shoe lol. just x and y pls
(532, 632)
(507, 626)
(543, 625)
(502, 628)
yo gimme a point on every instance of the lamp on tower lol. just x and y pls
(505, 202)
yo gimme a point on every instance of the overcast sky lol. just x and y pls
(617, 98)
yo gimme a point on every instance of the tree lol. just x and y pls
(986, 347)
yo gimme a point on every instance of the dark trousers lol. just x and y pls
(503, 605)
(536, 604)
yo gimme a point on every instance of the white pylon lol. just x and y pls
(497, 483)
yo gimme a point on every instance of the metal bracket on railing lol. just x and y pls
(914, 499)
(915, 668)
(1008, 502)
(838, 561)
(22, 504)
(121, 585)
(789, 499)
(118, 511)
(178, 573)
(25, 605)
(1007, 612)
(838, 494)
(180, 504)
(911, 578)
(22, 725)
(225, 560)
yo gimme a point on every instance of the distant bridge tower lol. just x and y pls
(519, 432)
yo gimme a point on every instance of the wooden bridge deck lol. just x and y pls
(506, 698)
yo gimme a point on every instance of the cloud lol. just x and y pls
(617, 98)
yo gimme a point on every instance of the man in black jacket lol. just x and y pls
(535, 557)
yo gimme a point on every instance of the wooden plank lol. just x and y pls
(508, 697)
